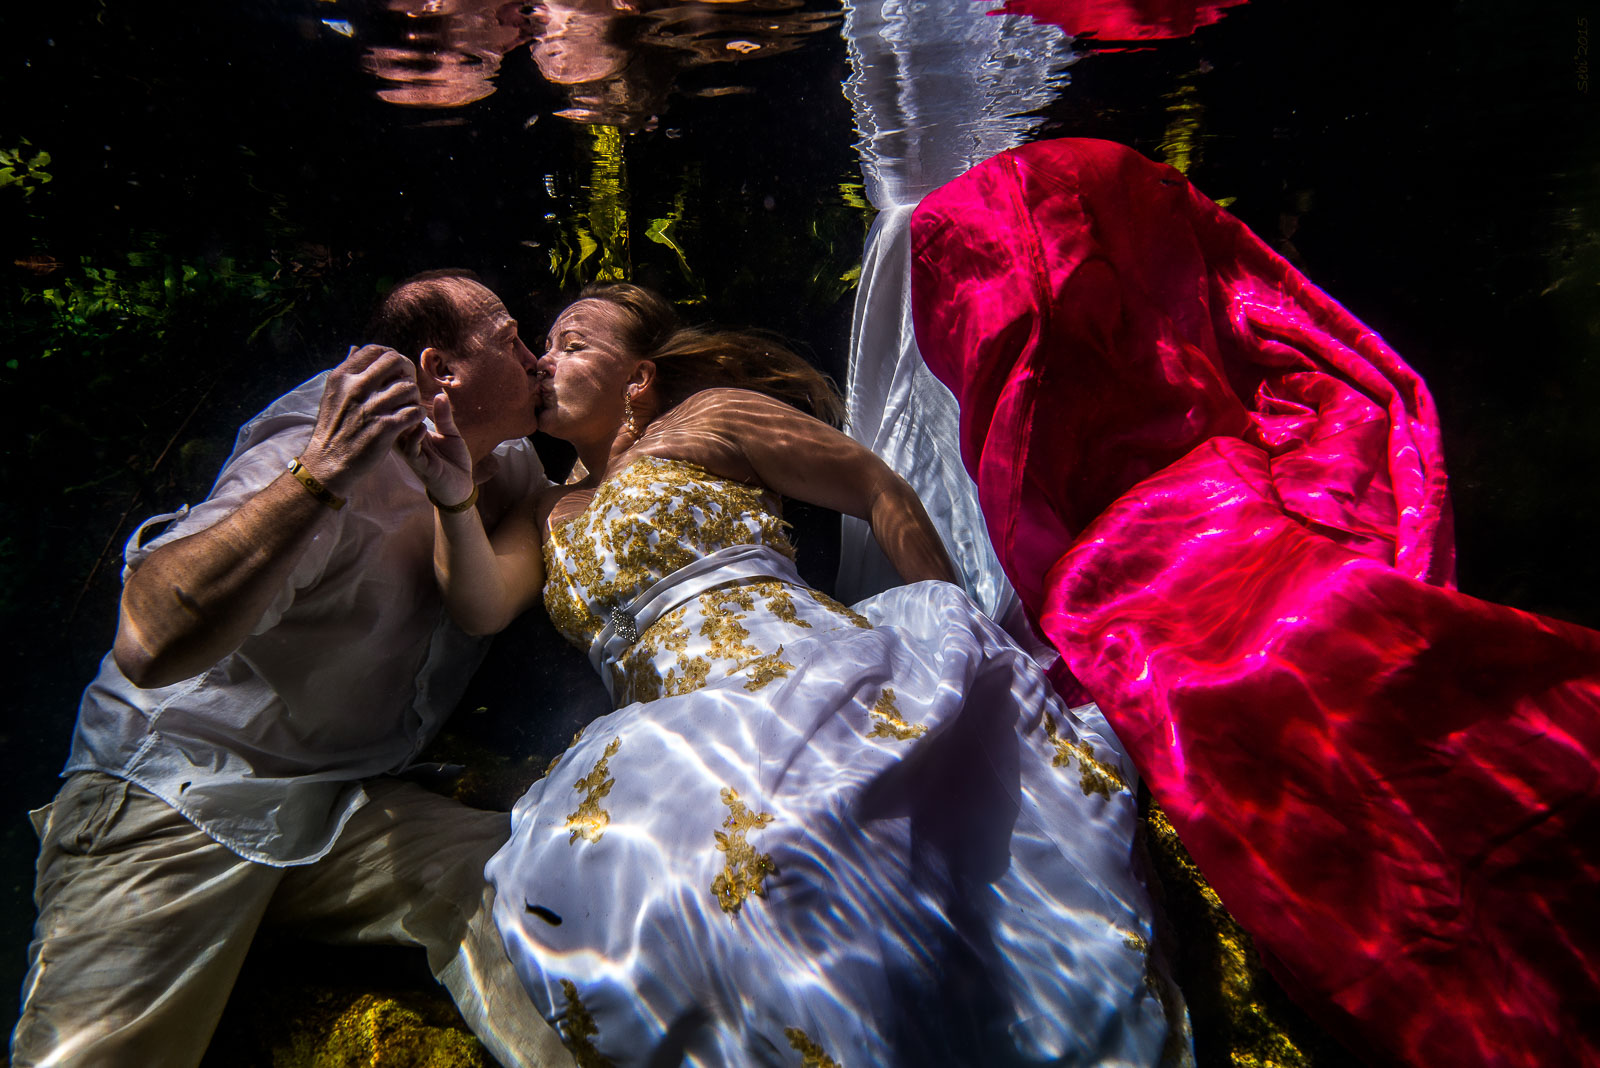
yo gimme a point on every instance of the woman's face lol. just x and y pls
(586, 372)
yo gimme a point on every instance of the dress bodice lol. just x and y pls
(649, 519)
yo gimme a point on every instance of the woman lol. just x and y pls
(810, 834)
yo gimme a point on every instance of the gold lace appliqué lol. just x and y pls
(780, 602)
(1098, 777)
(695, 672)
(726, 634)
(589, 822)
(888, 723)
(744, 870)
(578, 1029)
(763, 669)
(856, 618)
(809, 1049)
(1246, 1016)
(645, 521)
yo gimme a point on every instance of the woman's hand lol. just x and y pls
(486, 581)
(439, 455)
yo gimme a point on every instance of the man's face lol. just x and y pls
(497, 393)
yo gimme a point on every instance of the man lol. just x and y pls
(280, 648)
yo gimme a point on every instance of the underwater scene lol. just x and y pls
(202, 204)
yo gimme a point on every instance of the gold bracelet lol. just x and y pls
(313, 486)
(453, 509)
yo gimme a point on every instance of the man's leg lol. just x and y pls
(408, 869)
(143, 924)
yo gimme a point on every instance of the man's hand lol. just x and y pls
(196, 599)
(439, 456)
(370, 400)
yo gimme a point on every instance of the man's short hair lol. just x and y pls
(422, 312)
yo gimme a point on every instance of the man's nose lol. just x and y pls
(525, 354)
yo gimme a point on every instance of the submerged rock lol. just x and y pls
(363, 1007)
(411, 1030)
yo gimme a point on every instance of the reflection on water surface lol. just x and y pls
(617, 61)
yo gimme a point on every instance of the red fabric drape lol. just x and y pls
(1221, 497)
(1123, 20)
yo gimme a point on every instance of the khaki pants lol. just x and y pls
(144, 921)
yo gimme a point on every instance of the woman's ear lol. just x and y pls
(437, 369)
(643, 377)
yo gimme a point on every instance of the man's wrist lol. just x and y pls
(314, 485)
(326, 468)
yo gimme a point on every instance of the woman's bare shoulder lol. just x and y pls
(730, 401)
(711, 427)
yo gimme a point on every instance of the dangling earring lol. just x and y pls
(627, 415)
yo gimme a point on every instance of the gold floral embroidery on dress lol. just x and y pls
(726, 633)
(672, 634)
(644, 522)
(743, 597)
(1098, 776)
(855, 618)
(578, 1030)
(561, 601)
(763, 669)
(695, 672)
(589, 822)
(780, 602)
(723, 641)
(637, 674)
(1245, 1015)
(811, 1052)
(744, 870)
(888, 723)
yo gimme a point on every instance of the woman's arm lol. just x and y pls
(798, 456)
(487, 580)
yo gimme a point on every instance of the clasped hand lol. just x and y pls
(439, 455)
(369, 402)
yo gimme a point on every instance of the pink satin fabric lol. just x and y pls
(1222, 499)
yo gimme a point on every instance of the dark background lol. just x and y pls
(228, 197)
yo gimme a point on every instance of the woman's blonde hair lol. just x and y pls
(691, 358)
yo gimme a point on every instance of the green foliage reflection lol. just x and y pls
(602, 226)
(117, 343)
(24, 171)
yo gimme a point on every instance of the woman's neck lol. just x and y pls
(602, 457)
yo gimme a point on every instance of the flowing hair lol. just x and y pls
(692, 358)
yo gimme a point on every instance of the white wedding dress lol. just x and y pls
(814, 834)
